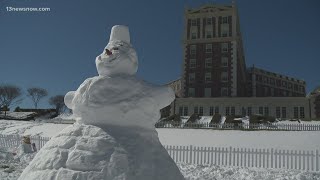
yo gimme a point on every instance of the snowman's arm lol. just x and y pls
(68, 99)
(163, 96)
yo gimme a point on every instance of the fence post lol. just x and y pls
(271, 157)
(190, 153)
(317, 160)
(38, 139)
(230, 153)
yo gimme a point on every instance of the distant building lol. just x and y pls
(214, 64)
(215, 78)
(262, 83)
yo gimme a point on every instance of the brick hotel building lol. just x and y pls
(215, 78)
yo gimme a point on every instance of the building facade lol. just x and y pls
(283, 108)
(264, 83)
(214, 64)
(215, 79)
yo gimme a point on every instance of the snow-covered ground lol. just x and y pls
(202, 172)
(297, 140)
(30, 128)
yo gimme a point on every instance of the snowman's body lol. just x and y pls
(114, 137)
(121, 100)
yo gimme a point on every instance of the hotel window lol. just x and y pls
(196, 110)
(261, 110)
(193, 22)
(296, 112)
(225, 20)
(272, 81)
(301, 88)
(208, 48)
(224, 61)
(266, 111)
(284, 112)
(224, 30)
(207, 92)
(290, 85)
(233, 111)
(249, 109)
(211, 111)
(208, 62)
(192, 63)
(193, 49)
(193, 35)
(284, 84)
(201, 111)
(181, 111)
(224, 91)
(301, 112)
(227, 111)
(192, 77)
(216, 110)
(191, 92)
(278, 115)
(208, 77)
(185, 111)
(243, 111)
(224, 76)
(209, 21)
(224, 47)
(209, 34)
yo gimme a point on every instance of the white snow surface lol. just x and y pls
(210, 172)
(295, 140)
(31, 128)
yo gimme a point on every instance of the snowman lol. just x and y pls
(114, 137)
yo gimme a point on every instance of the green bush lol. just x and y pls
(257, 118)
(215, 119)
(193, 118)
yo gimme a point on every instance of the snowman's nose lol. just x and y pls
(108, 52)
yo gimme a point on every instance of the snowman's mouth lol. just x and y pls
(114, 58)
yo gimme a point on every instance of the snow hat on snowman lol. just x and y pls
(120, 33)
(118, 57)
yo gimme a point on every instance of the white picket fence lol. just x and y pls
(241, 157)
(232, 126)
(15, 140)
(246, 157)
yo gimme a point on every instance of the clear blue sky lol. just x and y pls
(56, 50)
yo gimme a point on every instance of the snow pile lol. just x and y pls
(201, 172)
(115, 136)
(12, 165)
(81, 152)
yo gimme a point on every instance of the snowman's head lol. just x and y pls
(118, 57)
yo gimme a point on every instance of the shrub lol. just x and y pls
(257, 118)
(215, 119)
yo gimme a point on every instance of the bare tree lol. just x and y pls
(58, 102)
(36, 94)
(9, 95)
